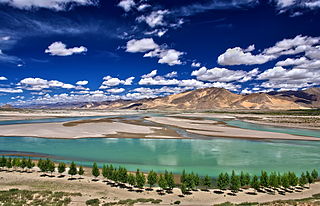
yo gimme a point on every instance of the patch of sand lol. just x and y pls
(221, 130)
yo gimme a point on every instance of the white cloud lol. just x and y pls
(166, 56)
(223, 75)
(127, 5)
(143, 7)
(292, 46)
(10, 90)
(154, 19)
(113, 81)
(5, 38)
(38, 84)
(158, 81)
(279, 77)
(141, 45)
(60, 49)
(290, 61)
(151, 74)
(82, 83)
(196, 64)
(2, 78)
(171, 74)
(116, 90)
(238, 56)
(57, 5)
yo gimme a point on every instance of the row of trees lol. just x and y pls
(274, 180)
(121, 175)
(189, 181)
(16, 163)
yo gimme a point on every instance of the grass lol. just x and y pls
(132, 202)
(26, 197)
(314, 200)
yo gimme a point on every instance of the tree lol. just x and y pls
(23, 163)
(303, 180)
(221, 181)
(189, 181)
(273, 180)
(95, 170)
(255, 184)
(244, 179)
(264, 180)
(51, 167)
(293, 179)
(234, 182)
(81, 171)
(196, 179)
(9, 163)
(206, 181)
(109, 171)
(314, 174)
(115, 175)
(3, 162)
(72, 169)
(309, 178)
(123, 174)
(140, 179)
(61, 167)
(152, 178)
(285, 180)
(104, 171)
(131, 179)
(162, 182)
(183, 176)
(170, 181)
(30, 164)
(183, 189)
(15, 163)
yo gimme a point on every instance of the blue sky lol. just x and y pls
(89, 50)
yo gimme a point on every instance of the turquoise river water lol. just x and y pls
(204, 156)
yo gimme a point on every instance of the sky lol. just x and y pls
(54, 51)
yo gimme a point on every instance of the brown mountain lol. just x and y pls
(219, 98)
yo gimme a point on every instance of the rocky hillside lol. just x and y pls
(219, 98)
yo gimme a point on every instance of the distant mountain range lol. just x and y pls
(210, 99)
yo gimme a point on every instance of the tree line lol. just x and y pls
(188, 181)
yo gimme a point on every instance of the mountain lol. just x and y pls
(309, 98)
(209, 99)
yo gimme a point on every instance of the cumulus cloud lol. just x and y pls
(151, 74)
(57, 5)
(238, 56)
(155, 18)
(171, 74)
(2, 78)
(279, 77)
(38, 84)
(141, 45)
(127, 5)
(116, 90)
(82, 83)
(291, 61)
(292, 46)
(166, 56)
(195, 64)
(113, 81)
(223, 74)
(60, 49)
(10, 90)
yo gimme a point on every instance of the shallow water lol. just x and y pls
(199, 155)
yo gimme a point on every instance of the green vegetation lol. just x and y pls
(296, 112)
(25, 197)
(132, 202)
(152, 178)
(95, 170)
(73, 169)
